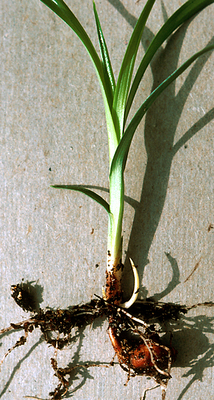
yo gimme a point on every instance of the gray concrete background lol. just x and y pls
(53, 131)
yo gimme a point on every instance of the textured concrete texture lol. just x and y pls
(53, 131)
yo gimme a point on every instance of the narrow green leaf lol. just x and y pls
(87, 192)
(62, 10)
(126, 70)
(120, 157)
(186, 11)
(108, 72)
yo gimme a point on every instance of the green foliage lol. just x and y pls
(88, 192)
(118, 96)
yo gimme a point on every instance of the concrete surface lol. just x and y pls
(53, 131)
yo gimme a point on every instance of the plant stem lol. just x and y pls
(114, 256)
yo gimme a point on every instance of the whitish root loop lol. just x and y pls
(134, 295)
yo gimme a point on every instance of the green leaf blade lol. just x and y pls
(108, 71)
(87, 192)
(62, 10)
(126, 70)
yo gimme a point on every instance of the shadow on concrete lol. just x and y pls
(18, 366)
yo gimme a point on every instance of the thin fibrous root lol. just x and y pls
(163, 393)
(147, 390)
(138, 320)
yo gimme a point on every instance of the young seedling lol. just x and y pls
(135, 341)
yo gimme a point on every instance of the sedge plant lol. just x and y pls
(141, 350)
(118, 96)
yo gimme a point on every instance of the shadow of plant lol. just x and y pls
(81, 374)
(161, 122)
(17, 367)
(195, 352)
